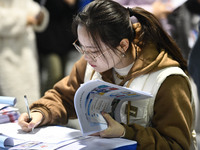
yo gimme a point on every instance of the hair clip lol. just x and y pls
(131, 12)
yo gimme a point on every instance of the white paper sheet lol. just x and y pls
(94, 142)
(49, 134)
(61, 138)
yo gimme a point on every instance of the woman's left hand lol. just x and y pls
(115, 129)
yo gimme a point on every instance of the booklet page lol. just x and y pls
(96, 96)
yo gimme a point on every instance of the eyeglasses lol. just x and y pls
(92, 54)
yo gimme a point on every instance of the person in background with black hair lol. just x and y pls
(54, 44)
(194, 63)
(141, 56)
(160, 8)
(194, 70)
(184, 25)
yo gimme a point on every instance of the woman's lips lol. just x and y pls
(93, 65)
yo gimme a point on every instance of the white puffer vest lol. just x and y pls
(141, 111)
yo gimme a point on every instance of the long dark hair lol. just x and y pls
(109, 21)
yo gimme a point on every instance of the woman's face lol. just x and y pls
(100, 62)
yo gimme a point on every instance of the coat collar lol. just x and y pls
(149, 60)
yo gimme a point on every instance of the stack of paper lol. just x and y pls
(7, 112)
(57, 137)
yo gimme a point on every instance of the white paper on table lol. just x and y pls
(96, 142)
(49, 134)
(56, 137)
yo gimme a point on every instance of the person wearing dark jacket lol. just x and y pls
(194, 70)
(54, 44)
(184, 25)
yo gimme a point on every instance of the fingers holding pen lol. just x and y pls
(23, 121)
(26, 124)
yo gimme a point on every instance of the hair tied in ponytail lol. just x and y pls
(131, 12)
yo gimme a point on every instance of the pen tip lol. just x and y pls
(24, 96)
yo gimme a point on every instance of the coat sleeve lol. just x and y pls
(57, 104)
(172, 120)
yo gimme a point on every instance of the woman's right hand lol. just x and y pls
(23, 121)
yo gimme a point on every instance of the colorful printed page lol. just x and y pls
(96, 96)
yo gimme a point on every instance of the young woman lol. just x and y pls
(139, 56)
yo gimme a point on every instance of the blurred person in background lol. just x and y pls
(18, 56)
(194, 70)
(160, 8)
(194, 63)
(184, 25)
(55, 43)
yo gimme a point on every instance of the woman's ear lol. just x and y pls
(124, 44)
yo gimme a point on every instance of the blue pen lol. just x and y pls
(28, 110)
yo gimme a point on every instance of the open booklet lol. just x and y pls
(96, 96)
